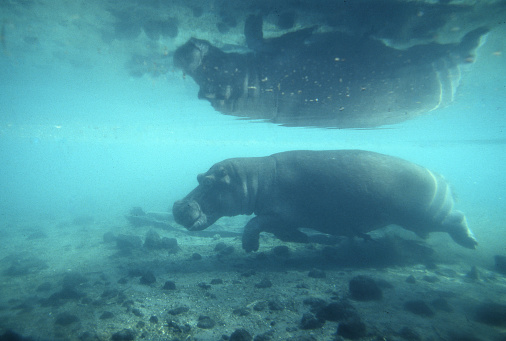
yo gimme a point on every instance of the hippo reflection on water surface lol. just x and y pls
(341, 192)
(329, 79)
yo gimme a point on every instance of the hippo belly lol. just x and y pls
(343, 192)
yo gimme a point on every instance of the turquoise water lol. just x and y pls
(81, 137)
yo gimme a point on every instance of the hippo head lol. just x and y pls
(189, 57)
(220, 193)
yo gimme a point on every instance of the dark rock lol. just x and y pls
(411, 279)
(109, 237)
(493, 314)
(240, 335)
(442, 304)
(127, 243)
(178, 310)
(124, 335)
(196, 256)
(220, 246)
(174, 327)
(24, 264)
(315, 303)
(267, 336)
(431, 279)
(315, 273)
(500, 263)
(106, 315)
(123, 280)
(153, 319)
(216, 281)
(352, 329)
(137, 312)
(363, 288)
(474, 274)
(64, 319)
(169, 244)
(222, 27)
(419, 307)
(241, 312)
(205, 322)
(226, 251)
(10, 335)
(336, 311)
(109, 293)
(275, 305)
(204, 285)
(310, 321)
(148, 278)
(152, 240)
(281, 251)
(264, 283)
(169, 285)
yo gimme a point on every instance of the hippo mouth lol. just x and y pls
(190, 215)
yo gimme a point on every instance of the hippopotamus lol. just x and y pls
(337, 192)
(326, 79)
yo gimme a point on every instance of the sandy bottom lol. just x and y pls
(84, 279)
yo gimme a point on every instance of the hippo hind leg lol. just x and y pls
(455, 224)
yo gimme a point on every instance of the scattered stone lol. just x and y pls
(364, 288)
(352, 329)
(220, 246)
(310, 321)
(264, 283)
(419, 307)
(315, 303)
(474, 274)
(240, 335)
(169, 244)
(336, 311)
(152, 240)
(137, 312)
(442, 304)
(153, 319)
(123, 280)
(24, 264)
(174, 327)
(204, 285)
(179, 310)
(196, 256)
(275, 305)
(302, 286)
(493, 314)
(169, 285)
(106, 315)
(205, 322)
(148, 278)
(281, 251)
(500, 263)
(64, 319)
(226, 251)
(431, 279)
(216, 281)
(411, 279)
(73, 280)
(109, 237)
(241, 312)
(315, 273)
(124, 335)
(109, 293)
(127, 243)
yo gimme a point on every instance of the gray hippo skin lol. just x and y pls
(340, 192)
(332, 79)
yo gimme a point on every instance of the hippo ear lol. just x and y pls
(205, 180)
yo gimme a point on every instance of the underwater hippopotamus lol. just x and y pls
(326, 79)
(337, 192)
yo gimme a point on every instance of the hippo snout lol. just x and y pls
(189, 214)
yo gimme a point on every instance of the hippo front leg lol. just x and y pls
(274, 225)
